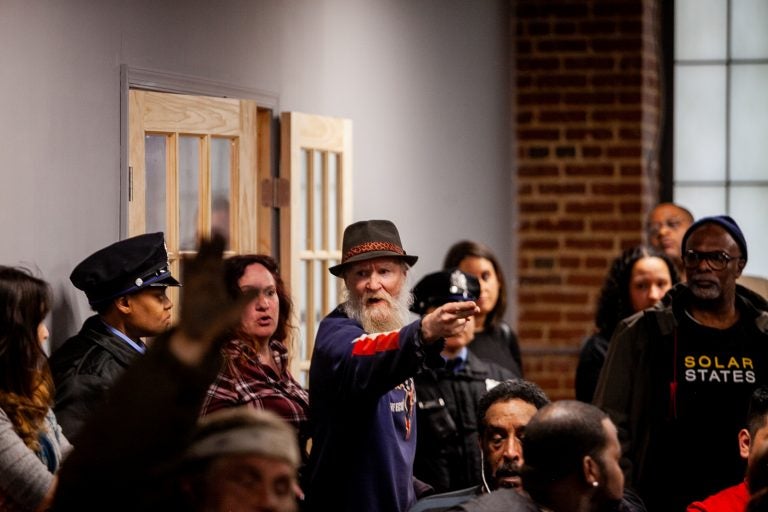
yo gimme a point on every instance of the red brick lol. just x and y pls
(629, 63)
(562, 189)
(589, 170)
(524, 81)
(629, 98)
(530, 334)
(597, 28)
(566, 334)
(539, 244)
(537, 170)
(531, 207)
(564, 225)
(562, 45)
(538, 28)
(564, 116)
(617, 188)
(588, 133)
(589, 243)
(616, 44)
(524, 47)
(588, 63)
(541, 280)
(538, 63)
(618, 9)
(617, 80)
(525, 190)
(537, 134)
(579, 316)
(565, 28)
(594, 281)
(524, 117)
(591, 151)
(631, 170)
(543, 263)
(539, 10)
(631, 27)
(538, 98)
(540, 316)
(616, 225)
(590, 207)
(569, 262)
(594, 262)
(565, 151)
(538, 152)
(589, 98)
(550, 81)
(633, 116)
(631, 207)
(564, 298)
(624, 152)
(630, 133)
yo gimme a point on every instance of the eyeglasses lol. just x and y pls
(672, 223)
(717, 260)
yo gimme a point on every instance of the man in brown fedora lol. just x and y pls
(360, 382)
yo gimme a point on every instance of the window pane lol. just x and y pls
(189, 172)
(749, 37)
(221, 184)
(699, 152)
(700, 29)
(303, 297)
(154, 194)
(317, 203)
(319, 289)
(701, 201)
(749, 208)
(749, 122)
(301, 206)
(333, 206)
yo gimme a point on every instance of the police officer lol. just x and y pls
(125, 284)
(447, 448)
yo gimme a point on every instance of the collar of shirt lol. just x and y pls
(457, 363)
(138, 347)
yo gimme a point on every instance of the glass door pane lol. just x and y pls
(189, 191)
(155, 158)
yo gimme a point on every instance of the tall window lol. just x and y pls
(721, 115)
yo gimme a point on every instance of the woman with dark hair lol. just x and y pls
(494, 339)
(637, 280)
(255, 368)
(31, 442)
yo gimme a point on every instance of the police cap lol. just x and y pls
(124, 267)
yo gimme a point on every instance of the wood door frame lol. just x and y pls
(159, 81)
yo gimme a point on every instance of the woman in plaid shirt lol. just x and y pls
(255, 367)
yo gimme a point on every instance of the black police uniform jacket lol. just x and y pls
(84, 368)
(447, 449)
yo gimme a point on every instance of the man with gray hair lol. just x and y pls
(361, 378)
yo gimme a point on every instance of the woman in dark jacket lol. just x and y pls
(638, 278)
(494, 339)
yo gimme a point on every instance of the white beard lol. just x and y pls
(379, 319)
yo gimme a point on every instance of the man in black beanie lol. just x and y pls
(679, 375)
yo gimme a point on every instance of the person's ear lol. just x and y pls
(123, 304)
(591, 470)
(740, 266)
(745, 442)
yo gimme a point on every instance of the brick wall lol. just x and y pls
(587, 105)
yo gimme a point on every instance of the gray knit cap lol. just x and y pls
(244, 430)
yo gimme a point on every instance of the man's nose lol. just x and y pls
(374, 282)
(513, 450)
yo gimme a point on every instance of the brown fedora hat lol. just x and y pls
(370, 239)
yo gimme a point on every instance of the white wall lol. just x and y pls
(426, 84)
